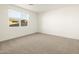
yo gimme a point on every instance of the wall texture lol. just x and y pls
(61, 22)
(7, 32)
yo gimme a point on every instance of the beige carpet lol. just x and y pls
(41, 44)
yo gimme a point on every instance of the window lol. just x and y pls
(17, 18)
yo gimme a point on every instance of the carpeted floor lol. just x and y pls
(39, 43)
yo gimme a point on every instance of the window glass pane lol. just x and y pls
(14, 14)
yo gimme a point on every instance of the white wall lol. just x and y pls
(61, 22)
(3, 22)
(7, 32)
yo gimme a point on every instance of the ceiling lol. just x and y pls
(39, 8)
